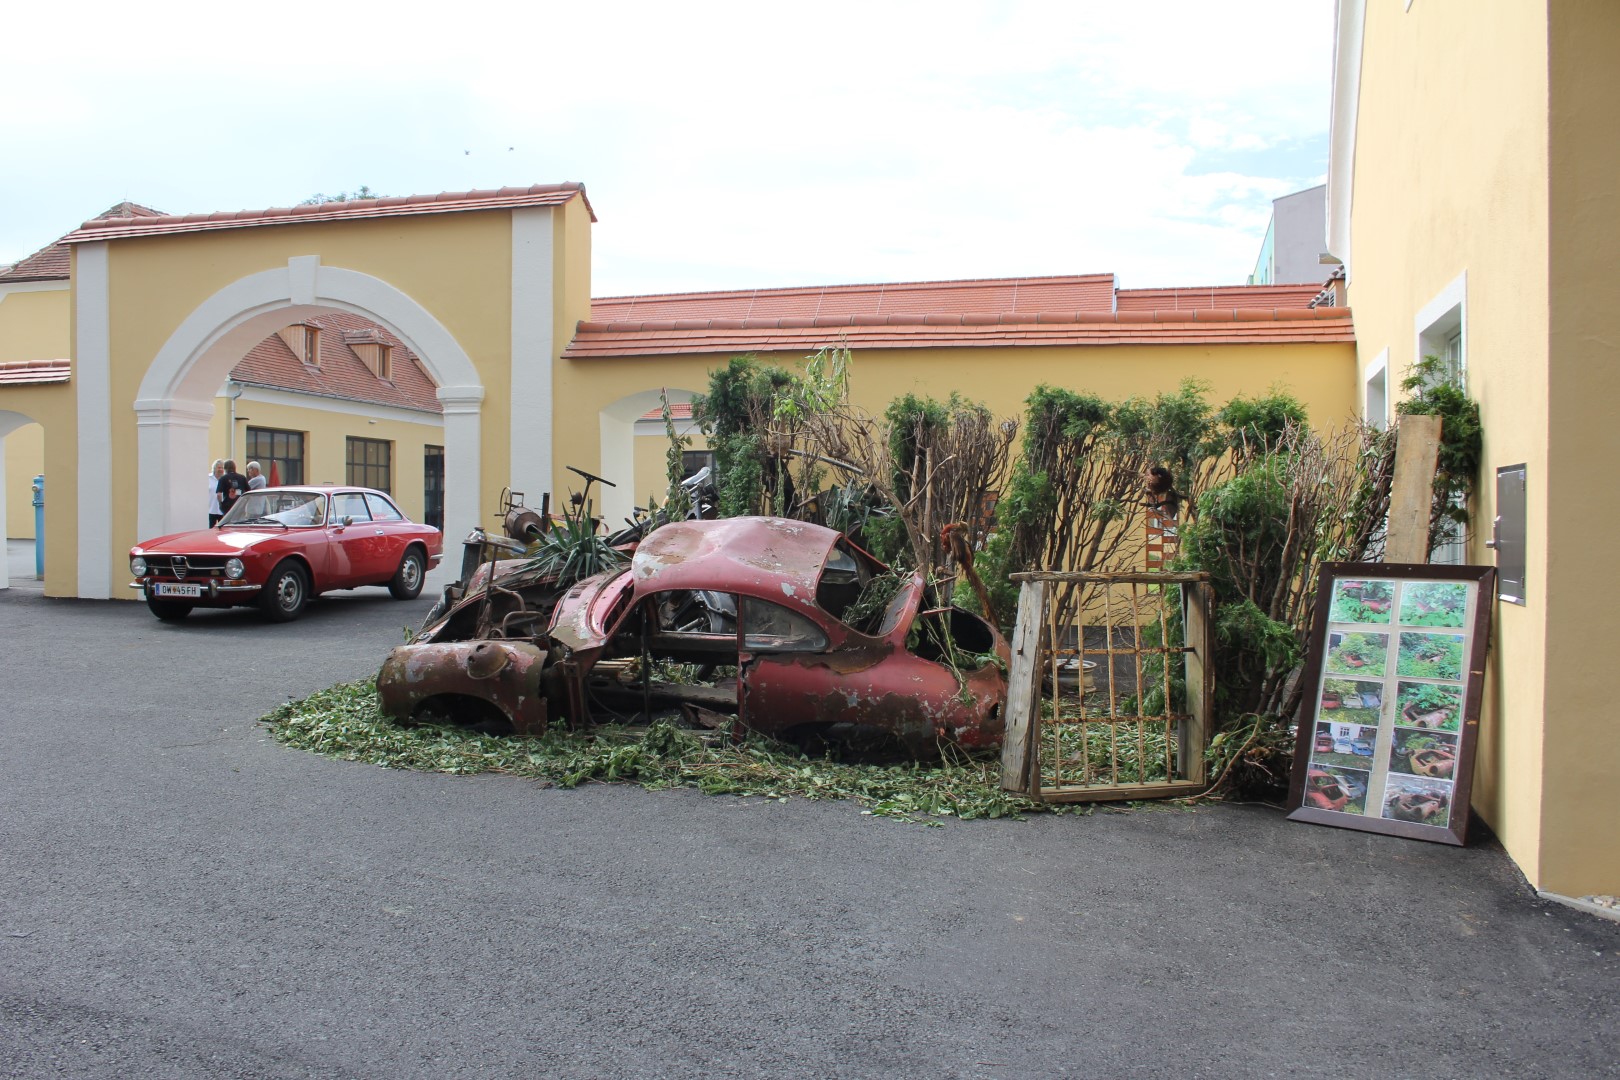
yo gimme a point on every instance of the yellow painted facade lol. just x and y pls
(1484, 180)
(25, 459)
(1319, 375)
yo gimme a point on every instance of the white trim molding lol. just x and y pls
(533, 299)
(92, 377)
(463, 469)
(365, 410)
(1349, 24)
(1375, 402)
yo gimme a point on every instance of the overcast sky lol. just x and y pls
(722, 145)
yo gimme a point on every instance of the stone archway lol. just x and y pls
(9, 422)
(175, 401)
(616, 424)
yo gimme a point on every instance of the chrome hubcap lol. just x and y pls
(412, 572)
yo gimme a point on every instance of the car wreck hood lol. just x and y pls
(760, 556)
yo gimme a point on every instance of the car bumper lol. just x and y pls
(212, 591)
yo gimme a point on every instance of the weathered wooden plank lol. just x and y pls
(1121, 792)
(1023, 689)
(1197, 607)
(1145, 577)
(1417, 449)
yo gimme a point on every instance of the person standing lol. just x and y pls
(255, 477)
(231, 486)
(214, 512)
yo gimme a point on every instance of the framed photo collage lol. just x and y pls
(1395, 673)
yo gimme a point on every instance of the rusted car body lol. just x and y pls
(766, 596)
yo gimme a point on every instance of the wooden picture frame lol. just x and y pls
(1394, 678)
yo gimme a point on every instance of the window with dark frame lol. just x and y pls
(280, 454)
(370, 463)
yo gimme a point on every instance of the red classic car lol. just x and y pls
(785, 604)
(278, 547)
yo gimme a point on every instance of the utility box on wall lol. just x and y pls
(1508, 533)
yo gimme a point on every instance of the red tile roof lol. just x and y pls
(678, 410)
(31, 372)
(1087, 292)
(393, 206)
(1218, 296)
(1207, 326)
(53, 262)
(1017, 311)
(341, 374)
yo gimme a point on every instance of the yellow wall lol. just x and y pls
(1580, 845)
(1457, 172)
(156, 282)
(34, 325)
(25, 459)
(1321, 376)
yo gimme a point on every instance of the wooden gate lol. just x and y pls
(1112, 702)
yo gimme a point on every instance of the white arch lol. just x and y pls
(616, 426)
(9, 422)
(175, 401)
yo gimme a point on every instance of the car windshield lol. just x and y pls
(279, 507)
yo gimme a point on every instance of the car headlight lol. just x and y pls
(137, 566)
(233, 568)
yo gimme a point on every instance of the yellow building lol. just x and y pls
(1471, 195)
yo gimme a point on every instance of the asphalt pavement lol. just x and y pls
(181, 897)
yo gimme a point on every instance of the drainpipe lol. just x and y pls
(233, 390)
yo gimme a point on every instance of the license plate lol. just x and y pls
(163, 588)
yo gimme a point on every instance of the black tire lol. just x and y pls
(407, 583)
(285, 593)
(168, 610)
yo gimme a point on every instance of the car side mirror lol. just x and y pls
(346, 521)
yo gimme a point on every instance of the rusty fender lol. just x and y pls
(504, 673)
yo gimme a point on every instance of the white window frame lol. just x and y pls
(1375, 391)
(1441, 329)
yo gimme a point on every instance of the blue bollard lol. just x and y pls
(39, 528)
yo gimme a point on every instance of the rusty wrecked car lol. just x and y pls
(815, 641)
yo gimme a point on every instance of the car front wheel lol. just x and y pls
(407, 583)
(285, 594)
(168, 610)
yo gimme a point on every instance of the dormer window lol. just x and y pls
(304, 339)
(373, 350)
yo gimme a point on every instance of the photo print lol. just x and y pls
(1344, 745)
(1430, 656)
(1358, 601)
(1353, 653)
(1434, 603)
(1429, 706)
(1419, 801)
(1423, 753)
(1343, 791)
(1351, 701)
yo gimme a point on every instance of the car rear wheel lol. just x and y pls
(285, 594)
(168, 610)
(407, 583)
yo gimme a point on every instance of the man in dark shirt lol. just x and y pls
(231, 487)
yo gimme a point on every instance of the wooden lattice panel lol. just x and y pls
(1095, 711)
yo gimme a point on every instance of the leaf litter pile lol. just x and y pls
(344, 722)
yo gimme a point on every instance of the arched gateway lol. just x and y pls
(484, 287)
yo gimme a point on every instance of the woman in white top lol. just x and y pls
(213, 492)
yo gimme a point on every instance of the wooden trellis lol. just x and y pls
(1093, 712)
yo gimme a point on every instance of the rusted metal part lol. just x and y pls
(503, 674)
(771, 558)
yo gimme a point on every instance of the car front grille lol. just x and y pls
(186, 567)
